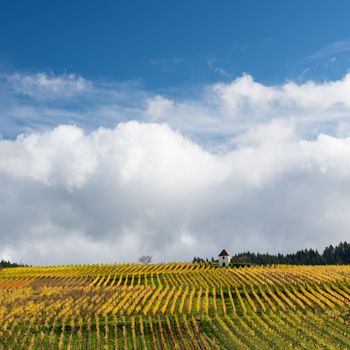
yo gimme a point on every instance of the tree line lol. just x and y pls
(337, 255)
(4, 263)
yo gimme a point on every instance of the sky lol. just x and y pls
(172, 128)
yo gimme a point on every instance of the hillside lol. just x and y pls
(175, 306)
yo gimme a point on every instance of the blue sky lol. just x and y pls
(172, 128)
(164, 44)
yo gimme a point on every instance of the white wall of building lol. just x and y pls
(224, 261)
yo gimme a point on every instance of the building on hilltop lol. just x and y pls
(224, 258)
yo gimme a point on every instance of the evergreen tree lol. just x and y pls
(339, 254)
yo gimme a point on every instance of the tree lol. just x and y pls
(4, 263)
(145, 259)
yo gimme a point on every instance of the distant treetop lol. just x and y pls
(338, 255)
(4, 263)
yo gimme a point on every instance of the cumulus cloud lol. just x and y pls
(216, 111)
(114, 194)
(120, 172)
(231, 108)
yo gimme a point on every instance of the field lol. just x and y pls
(175, 306)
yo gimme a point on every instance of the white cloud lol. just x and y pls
(157, 106)
(60, 156)
(114, 194)
(228, 109)
(241, 165)
(47, 85)
(332, 49)
(216, 69)
(216, 111)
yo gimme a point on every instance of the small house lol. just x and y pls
(224, 258)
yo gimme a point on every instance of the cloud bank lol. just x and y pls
(33, 102)
(114, 194)
(245, 166)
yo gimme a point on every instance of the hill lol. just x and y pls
(175, 306)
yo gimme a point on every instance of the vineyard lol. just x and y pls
(174, 306)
